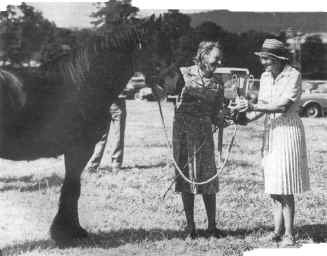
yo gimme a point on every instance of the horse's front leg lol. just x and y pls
(65, 225)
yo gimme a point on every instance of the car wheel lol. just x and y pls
(312, 110)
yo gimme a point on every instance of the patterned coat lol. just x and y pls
(200, 106)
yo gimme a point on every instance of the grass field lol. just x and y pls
(125, 212)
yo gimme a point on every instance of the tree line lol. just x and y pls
(27, 35)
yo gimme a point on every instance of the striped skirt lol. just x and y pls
(285, 156)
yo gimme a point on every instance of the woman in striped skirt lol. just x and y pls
(284, 148)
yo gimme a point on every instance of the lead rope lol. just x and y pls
(169, 146)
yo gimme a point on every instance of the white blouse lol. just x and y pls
(288, 84)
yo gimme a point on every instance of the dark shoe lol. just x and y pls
(271, 237)
(191, 233)
(215, 232)
(288, 240)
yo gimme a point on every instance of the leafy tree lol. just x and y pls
(11, 34)
(209, 31)
(175, 24)
(248, 43)
(170, 38)
(187, 46)
(25, 31)
(313, 64)
(35, 29)
(115, 15)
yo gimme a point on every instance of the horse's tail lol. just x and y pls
(14, 88)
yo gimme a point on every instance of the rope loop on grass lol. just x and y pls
(169, 146)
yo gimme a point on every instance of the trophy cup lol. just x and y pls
(241, 86)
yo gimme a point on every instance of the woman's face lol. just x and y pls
(212, 60)
(271, 64)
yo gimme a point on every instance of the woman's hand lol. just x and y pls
(240, 105)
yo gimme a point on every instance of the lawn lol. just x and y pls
(126, 213)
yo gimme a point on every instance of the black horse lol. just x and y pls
(62, 109)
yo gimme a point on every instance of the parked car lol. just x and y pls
(314, 98)
(313, 104)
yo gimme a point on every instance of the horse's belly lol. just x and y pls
(20, 147)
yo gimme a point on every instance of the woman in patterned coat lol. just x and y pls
(284, 147)
(199, 110)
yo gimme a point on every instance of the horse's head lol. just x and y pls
(145, 58)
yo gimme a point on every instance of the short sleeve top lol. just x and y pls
(288, 84)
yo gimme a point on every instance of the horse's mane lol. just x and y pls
(14, 88)
(70, 71)
(74, 67)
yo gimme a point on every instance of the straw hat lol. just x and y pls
(273, 48)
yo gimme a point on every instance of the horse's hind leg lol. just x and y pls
(65, 225)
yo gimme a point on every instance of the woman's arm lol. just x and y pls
(280, 106)
(256, 111)
(252, 116)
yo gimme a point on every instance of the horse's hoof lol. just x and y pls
(66, 234)
(80, 233)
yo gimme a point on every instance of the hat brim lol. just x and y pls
(269, 54)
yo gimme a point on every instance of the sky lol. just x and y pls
(76, 13)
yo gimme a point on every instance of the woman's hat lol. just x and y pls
(274, 48)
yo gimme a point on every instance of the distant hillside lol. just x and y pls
(263, 21)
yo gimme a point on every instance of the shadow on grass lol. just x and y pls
(315, 232)
(27, 183)
(240, 163)
(20, 248)
(103, 240)
(137, 166)
(242, 233)
(17, 179)
(114, 239)
(242, 183)
(161, 164)
(126, 236)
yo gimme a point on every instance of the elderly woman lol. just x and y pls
(198, 111)
(284, 146)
